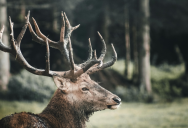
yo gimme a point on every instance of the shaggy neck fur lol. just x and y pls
(62, 114)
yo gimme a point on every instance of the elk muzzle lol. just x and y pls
(115, 104)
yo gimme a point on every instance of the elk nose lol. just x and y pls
(117, 100)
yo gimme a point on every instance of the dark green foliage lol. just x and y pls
(133, 94)
(171, 89)
(27, 86)
(166, 90)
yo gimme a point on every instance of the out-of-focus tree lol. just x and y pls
(168, 29)
(127, 44)
(4, 57)
(144, 46)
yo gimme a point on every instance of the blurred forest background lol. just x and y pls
(150, 38)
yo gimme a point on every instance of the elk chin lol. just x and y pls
(113, 107)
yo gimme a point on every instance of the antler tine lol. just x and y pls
(105, 65)
(91, 63)
(66, 39)
(71, 57)
(94, 55)
(90, 55)
(39, 33)
(47, 58)
(62, 34)
(40, 40)
(13, 44)
(103, 51)
(86, 67)
(90, 50)
(20, 36)
(69, 27)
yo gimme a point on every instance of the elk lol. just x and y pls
(77, 96)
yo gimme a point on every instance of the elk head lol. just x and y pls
(74, 84)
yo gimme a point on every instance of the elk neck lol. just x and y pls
(61, 113)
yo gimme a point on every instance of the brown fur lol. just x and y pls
(70, 107)
(23, 120)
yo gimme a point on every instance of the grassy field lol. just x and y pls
(129, 115)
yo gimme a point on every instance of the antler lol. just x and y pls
(90, 66)
(61, 45)
(14, 49)
(101, 66)
(105, 65)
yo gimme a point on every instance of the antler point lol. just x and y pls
(2, 29)
(62, 13)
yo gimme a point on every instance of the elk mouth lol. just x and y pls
(113, 107)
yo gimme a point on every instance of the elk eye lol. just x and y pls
(85, 89)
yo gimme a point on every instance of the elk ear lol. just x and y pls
(61, 83)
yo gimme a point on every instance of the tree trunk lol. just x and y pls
(135, 53)
(55, 19)
(22, 11)
(105, 31)
(144, 47)
(4, 57)
(127, 44)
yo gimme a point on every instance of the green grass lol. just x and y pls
(140, 115)
(129, 115)
(10, 107)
